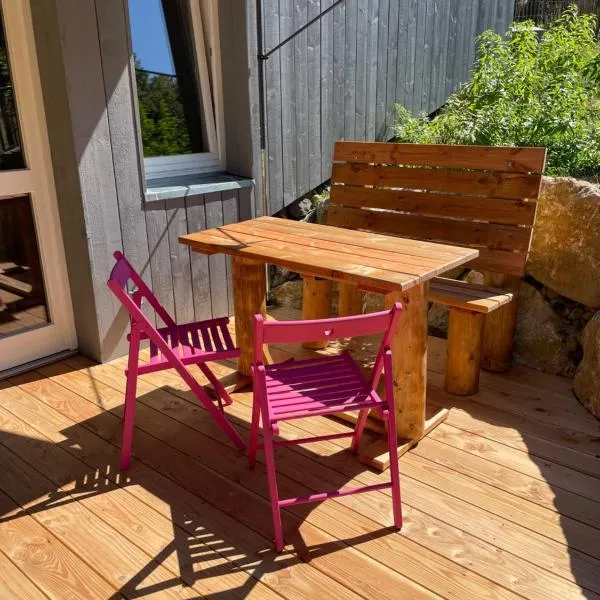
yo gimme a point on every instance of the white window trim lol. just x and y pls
(207, 58)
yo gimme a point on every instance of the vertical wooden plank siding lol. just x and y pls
(401, 63)
(339, 62)
(327, 84)
(288, 107)
(200, 288)
(231, 214)
(218, 269)
(411, 52)
(391, 73)
(313, 62)
(371, 96)
(160, 258)
(350, 70)
(181, 273)
(360, 103)
(381, 69)
(275, 140)
(300, 43)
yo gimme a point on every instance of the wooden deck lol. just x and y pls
(501, 501)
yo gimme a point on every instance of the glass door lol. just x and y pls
(35, 311)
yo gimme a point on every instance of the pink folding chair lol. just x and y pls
(321, 386)
(173, 346)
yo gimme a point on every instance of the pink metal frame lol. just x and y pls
(296, 389)
(173, 346)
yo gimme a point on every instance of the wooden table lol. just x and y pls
(400, 268)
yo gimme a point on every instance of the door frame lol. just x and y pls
(36, 180)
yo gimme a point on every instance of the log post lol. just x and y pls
(409, 355)
(463, 353)
(316, 304)
(249, 298)
(350, 300)
(500, 326)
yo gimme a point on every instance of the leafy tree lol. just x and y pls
(162, 120)
(527, 90)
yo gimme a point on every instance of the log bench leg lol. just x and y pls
(463, 354)
(350, 301)
(500, 327)
(316, 304)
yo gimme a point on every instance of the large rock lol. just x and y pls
(565, 254)
(587, 379)
(546, 339)
(288, 294)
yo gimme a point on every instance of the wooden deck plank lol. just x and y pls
(14, 584)
(552, 473)
(361, 508)
(60, 573)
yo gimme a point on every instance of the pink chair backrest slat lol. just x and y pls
(295, 332)
(120, 276)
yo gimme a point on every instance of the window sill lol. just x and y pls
(190, 185)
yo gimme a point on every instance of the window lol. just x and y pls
(177, 74)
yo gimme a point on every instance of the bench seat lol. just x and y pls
(468, 296)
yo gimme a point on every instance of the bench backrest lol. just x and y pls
(479, 196)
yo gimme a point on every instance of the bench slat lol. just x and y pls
(465, 233)
(477, 183)
(494, 210)
(473, 297)
(509, 159)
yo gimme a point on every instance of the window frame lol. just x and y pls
(204, 16)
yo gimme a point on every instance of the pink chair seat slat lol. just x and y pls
(318, 387)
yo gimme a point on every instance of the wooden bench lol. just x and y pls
(477, 196)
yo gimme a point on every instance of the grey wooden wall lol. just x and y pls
(341, 77)
(85, 65)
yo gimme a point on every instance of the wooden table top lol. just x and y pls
(372, 261)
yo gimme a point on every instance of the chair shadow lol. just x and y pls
(204, 547)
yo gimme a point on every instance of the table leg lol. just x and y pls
(316, 304)
(409, 353)
(249, 298)
(350, 300)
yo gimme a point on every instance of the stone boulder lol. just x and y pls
(587, 379)
(288, 294)
(565, 253)
(548, 331)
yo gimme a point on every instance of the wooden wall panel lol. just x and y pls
(341, 76)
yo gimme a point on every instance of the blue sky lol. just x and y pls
(149, 36)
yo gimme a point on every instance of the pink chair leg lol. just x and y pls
(272, 478)
(393, 444)
(358, 430)
(221, 392)
(212, 410)
(252, 444)
(130, 393)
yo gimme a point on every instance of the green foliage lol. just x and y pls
(164, 129)
(527, 90)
